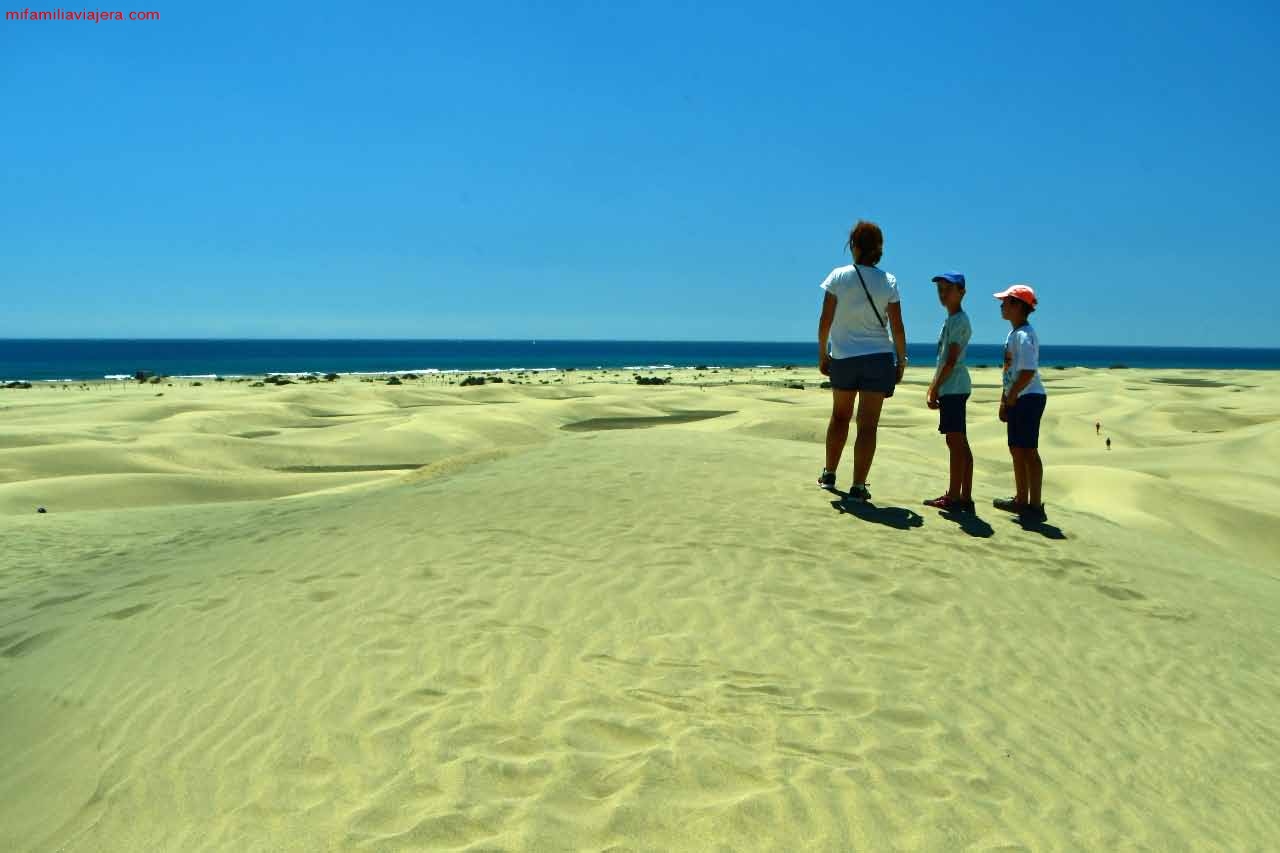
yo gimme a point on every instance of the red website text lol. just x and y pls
(92, 16)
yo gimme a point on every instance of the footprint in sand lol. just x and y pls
(1119, 593)
(839, 618)
(25, 644)
(58, 599)
(128, 612)
(921, 783)
(830, 757)
(147, 581)
(856, 702)
(591, 734)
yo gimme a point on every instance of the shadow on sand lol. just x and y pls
(897, 517)
(1044, 528)
(969, 523)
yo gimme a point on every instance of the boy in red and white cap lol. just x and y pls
(1022, 402)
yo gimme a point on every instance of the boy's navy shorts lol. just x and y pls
(1024, 421)
(951, 413)
(877, 372)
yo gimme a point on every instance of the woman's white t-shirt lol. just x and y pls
(855, 330)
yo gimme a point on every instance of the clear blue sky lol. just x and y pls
(670, 171)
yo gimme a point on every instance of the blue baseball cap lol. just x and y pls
(952, 277)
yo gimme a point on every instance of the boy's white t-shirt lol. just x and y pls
(855, 329)
(1022, 352)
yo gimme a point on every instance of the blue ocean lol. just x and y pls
(69, 359)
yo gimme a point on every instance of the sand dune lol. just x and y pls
(593, 616)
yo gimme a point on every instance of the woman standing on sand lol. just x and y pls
(855, 350)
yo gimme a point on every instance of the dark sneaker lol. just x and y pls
(827, 480)
(1034, 513)
(965, 506)
(861, 493)
(1008, 505)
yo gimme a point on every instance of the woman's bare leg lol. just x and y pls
(864, 445)
(838, 426)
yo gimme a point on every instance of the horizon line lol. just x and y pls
(581, 340)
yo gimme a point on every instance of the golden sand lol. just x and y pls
(357, 617)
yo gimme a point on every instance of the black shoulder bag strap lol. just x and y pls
(883, 324)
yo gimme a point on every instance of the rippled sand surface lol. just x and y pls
(586, 615)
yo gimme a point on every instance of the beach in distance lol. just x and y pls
(570, 611)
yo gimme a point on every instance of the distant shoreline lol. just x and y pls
(711, 376)
(79, 360)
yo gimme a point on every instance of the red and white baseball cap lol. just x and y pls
(1021, 292)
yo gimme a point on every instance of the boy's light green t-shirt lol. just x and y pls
(956, 330)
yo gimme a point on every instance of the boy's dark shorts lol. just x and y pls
(876, 372)
(951, 413)
(1024, 421)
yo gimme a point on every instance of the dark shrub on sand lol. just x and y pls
(394, 380)
(652, 380)
(479, 380)
(796, 386)
(825, 386)
(330, 377)
(409, 376)
(17, 385)
(257, 385)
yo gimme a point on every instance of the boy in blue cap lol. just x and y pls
(949, 393)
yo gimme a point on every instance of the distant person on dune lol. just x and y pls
(1097, 427)
(855, 350)
(1108, 443)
